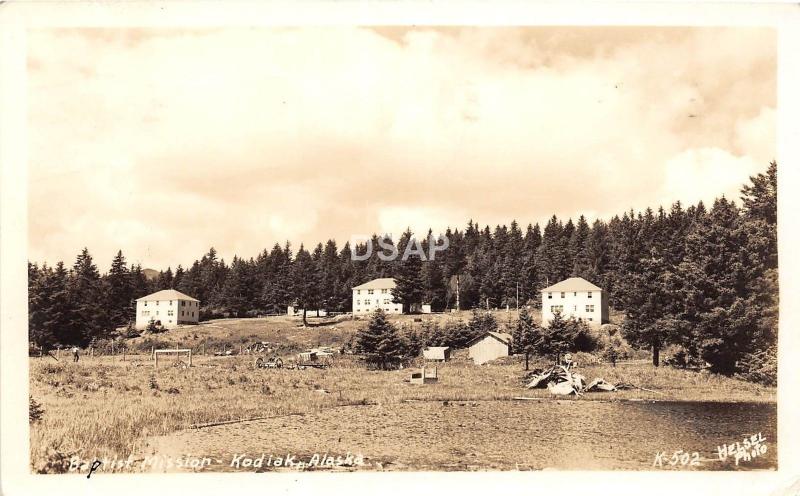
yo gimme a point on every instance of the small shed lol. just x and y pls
(436, 353)
(489, 346)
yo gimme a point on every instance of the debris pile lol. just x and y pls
(558, 379)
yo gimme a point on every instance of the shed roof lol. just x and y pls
(435, 352)
(381, 283)
(573, 284)
(166, 294)
(500, 336)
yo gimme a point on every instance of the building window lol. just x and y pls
(575, 293)
(358, 291)
(358, 302)
(170, 302)
(181, 313)
(370, 291)
(386, 302)
(590, 319)
(563, 294)
(556, 308)
(367, 302)
(170, 313)
(590, 294)
(145, 313)
(183, 303)
(574, 308)
(156, 303)
(590, 308)
(549, 296)
(383, 291)
(192, 314)
(156, 312)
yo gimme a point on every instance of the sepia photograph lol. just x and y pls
(401, 248)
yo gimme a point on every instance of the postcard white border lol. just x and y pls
(17, 17)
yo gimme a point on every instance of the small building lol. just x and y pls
(575, 297)
(167, 308)
(375, 294)
(436, 353)
(291, 311)
(489, 346)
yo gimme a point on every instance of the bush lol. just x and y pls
(585, 339)
(684, 360)
(760, 367)
(35, 410)
(51, 368)
(152, 328)
(132, 332)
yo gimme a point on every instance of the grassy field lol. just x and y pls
(107, 407)
(286, 332)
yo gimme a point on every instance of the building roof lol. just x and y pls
(382, 283)
(573, 284)
(435, 352)
(166, 294)
(500, 336)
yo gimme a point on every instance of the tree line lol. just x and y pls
(701, 278)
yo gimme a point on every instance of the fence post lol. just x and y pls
(112, 347)
(190, 357)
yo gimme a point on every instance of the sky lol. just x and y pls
(164, 142)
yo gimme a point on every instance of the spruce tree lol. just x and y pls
(120, 292)
(380, 341)
(304, 282)
(410, 286)
(524, 337)
(88, 295)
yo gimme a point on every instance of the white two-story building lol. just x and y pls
(575, 297)
(168, 308)
(375, 294)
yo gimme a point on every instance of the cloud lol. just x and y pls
(162, 143)
(689, 173)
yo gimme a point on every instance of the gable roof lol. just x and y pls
(573, 284)
(500, 336)
(166, 294)
(382, 283)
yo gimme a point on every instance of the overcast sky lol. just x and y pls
(163, 143)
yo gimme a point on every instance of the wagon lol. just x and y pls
(269, 363)
(316, 359)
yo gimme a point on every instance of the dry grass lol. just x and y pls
(104, 406)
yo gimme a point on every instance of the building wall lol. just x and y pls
(365, 303)
(161, 309)
(575, 304)
(487, 349)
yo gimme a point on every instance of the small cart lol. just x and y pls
(269, 363)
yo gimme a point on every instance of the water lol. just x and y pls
(631, 435)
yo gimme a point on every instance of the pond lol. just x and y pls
(639, 435)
